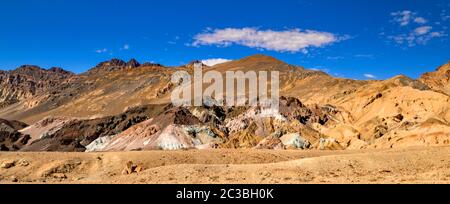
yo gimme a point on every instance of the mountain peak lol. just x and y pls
(262, 58)
(133, 63)
(27, 69)
(60, 70)
(113, 65)
(438, 80)
(444, 68)
(112, 62)
(258, 62)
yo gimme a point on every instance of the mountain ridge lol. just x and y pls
(318, 110)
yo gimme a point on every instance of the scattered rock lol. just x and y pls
(23, 162)
(7, 164)
(294, 140)
(138, 169)
(132, 168)
(59, 175)
(77, 178)
(329, 144)
(14, 179)
(270, 143)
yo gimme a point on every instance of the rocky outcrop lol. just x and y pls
(174, 129)
(113, 65)
(75, 135)
(10, 137)
(438, 80)
(133, 63)
(29, 81)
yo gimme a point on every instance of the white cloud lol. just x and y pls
(422, 30)
(420, 36)
(407, 35)
(294, 40)
(420, 20)
(126, 47)
(212, 62)
(403, 17)
(100, 51)
(370, 76)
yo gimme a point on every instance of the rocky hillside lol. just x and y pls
(91, 111)
(29, 81)
(113, 65)
(438, 80)
(10, 138)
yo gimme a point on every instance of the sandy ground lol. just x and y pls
(415, 165)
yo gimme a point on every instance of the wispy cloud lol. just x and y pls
(423, 30)
(404, 18)
(370, 76)
(174, 41)
(420, 20)
(294, 40)
(100, 51)
(212, 62)
(368, 56)
(125, 47)
(335, 58)
(444, 15)
(413, 29)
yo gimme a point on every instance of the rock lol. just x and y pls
(23, 162)
(14, 179)
(77, 178)
(329, 144)
(59, 176)
(294, 140)
(112, 65)
(129, 167)
(8, 164)
(133, 63)
(138, 168)
(151, 64)
(270, 143)
(132, 168)
(99, 144)
(380, 131)
(10, 137)
(79, 135)
(27, 81)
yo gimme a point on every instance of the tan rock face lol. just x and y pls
(29, 81)
(438, 80)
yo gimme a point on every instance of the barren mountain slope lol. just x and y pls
(359, 114)
(29, 81)
(97, 93)
(307, 85)
(396, 110)
(438, 80)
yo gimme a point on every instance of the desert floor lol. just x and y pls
(414, 165)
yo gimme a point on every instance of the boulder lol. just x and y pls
(294, 140)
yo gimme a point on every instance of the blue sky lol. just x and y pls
(347, 38)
